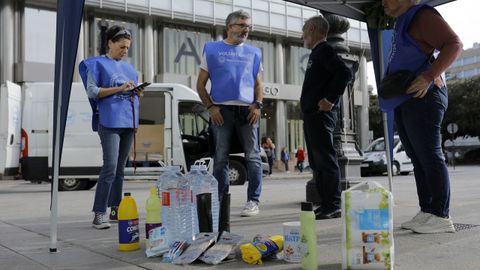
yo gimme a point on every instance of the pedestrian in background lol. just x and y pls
(300, 155)
(285, 157)
(269, 148)
(234, 103)
(419, 31)
(107, 79)
(325, 80)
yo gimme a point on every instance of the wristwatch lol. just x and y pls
(259, 104)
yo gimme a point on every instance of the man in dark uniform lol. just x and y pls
(325, 81)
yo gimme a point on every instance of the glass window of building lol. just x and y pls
(470, 73)
(267, 121)
(268, 58)
(457, 63)
(181, 50)
(297, 62)
(39, 37)
(294, 126)
(469, 60)
(103, 23)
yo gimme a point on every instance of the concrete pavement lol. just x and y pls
(24, 227)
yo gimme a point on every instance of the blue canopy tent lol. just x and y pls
(69, 17)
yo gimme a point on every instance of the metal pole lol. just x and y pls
(384, 119)
(56, 162)
(387, 151)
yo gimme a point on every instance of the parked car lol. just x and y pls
(375, 161)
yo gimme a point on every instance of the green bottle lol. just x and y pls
(308, 237)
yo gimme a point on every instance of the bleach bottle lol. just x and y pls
(128, 224)
(154, 212)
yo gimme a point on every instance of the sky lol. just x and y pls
(463, 16)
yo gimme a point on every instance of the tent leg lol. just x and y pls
(386, 139)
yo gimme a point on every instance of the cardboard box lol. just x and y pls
(367, 227)
(149, 139)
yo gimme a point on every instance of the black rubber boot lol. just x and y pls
(204, 212)
(224, 219)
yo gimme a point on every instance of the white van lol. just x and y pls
(173, 129)
(10, 128)
(375, 161)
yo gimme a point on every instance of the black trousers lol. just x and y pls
(318, 128)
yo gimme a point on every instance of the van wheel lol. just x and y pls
(70, 184)
(237, 173)
(395, 168)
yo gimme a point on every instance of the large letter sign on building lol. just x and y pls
(183, 51)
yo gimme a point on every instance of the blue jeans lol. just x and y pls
(116, 144)
(418, 123)
(318, 129)
(235, 120)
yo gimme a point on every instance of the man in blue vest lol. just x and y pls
(234, 103)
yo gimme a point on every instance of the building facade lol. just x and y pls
(467, 64)
(168, 38)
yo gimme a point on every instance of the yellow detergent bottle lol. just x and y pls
(128, 225)
(154, 212)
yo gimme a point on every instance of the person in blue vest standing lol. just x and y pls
(419, 31)
(234, 103)
(108, 81)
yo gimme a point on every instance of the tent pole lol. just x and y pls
(56, 163)
(385, 115)
(386, 139)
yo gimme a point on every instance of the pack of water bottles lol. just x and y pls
(190, 203)
(183, 218)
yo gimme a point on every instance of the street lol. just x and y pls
(25, 223)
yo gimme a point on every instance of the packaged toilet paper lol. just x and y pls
(367, 227)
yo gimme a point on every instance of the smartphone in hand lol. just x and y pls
(142, 85)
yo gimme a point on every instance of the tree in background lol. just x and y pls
(375, 117)
(463, 107)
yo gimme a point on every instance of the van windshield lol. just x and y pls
(380, 145)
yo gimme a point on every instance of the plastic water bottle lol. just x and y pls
(154, 212)
(128, 225)
(176, 205)
(212, 183)
(203, 182)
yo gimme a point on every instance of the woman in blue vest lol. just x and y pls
(108, 81)
(420, 31)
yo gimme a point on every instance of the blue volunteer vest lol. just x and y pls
(114, 111)
(233, 70)
(404, 54)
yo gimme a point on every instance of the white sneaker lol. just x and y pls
(100, 221)
(435, 224)
(418, 219)
(250, 209)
